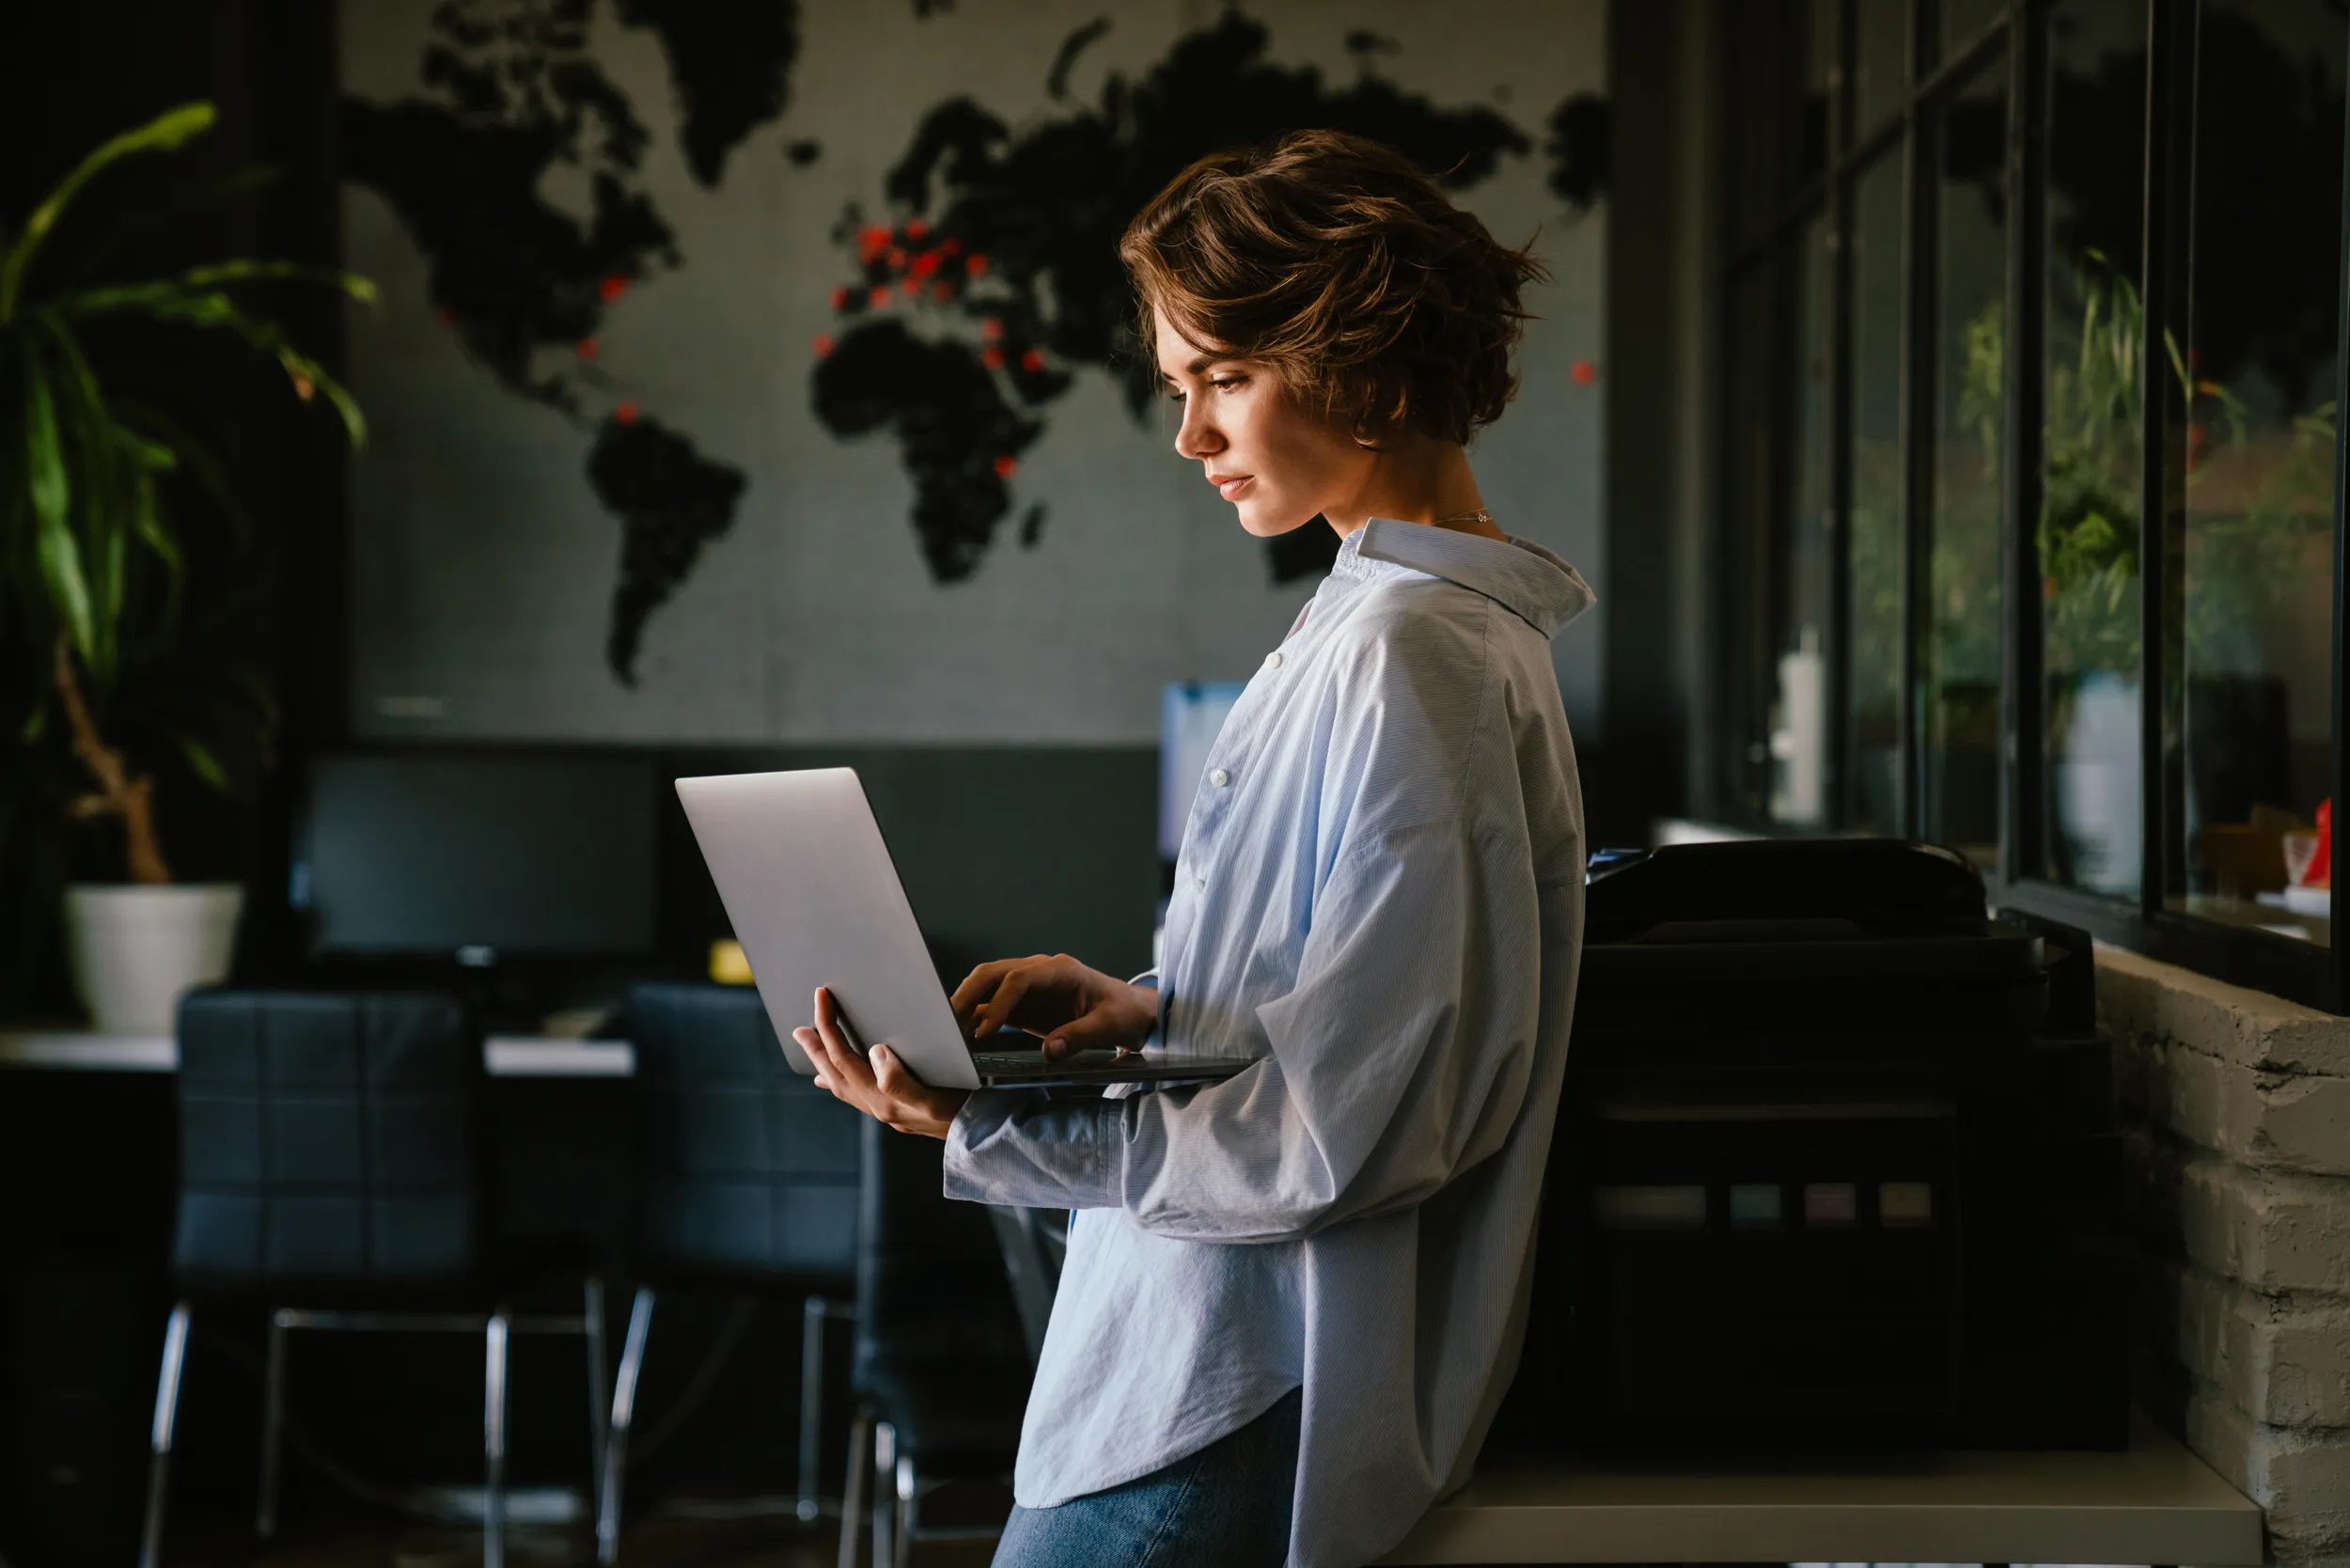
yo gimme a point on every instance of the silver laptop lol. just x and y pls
(816, 900)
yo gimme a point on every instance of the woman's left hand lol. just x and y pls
(878, 1085)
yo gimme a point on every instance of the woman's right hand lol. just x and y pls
(1071, 1007)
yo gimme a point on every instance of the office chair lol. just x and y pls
(942, 1366)
(748, 1181)
(332, 1170)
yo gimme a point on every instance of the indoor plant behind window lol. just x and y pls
(92, 554)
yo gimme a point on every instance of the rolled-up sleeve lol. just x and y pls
(1389, 1071)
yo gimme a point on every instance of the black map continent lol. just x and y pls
(510, 91)
(1024, 243)
(995, 279)
(670, 501)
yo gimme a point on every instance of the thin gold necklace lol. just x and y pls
(1479, 515)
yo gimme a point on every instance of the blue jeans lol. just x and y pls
(1227, 1506)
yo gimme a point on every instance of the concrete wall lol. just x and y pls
(484, 562)
(2237, 1106)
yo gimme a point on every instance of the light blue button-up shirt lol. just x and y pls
(1380, 898)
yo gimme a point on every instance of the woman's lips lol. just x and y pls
(1230, 488)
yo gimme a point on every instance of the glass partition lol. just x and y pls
(1799, 736)
(1961, 661)
(2255, 373)
(1944, 353)
(1880, 62)
(1874, 612)
(2092, 419)
(1966, 21)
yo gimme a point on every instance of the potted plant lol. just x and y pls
(93, 552)
(2261, 508)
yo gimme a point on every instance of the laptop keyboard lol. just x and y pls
(1033, 1061)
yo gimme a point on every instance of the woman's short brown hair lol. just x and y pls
(1338, 263)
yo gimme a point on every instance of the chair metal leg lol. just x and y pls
(813, 1311)
(493, 1443)
(273, 1424)
(159, 1435)
(623, 1417)
(853, 1496)
(599, 1411)
(908, 1508)
(885, 1495)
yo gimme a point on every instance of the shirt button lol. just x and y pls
(1272, 660)
(1219, 778)
(1201, 880)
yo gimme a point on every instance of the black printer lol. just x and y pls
(1835, 1166)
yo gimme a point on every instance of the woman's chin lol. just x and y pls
(1266, 521)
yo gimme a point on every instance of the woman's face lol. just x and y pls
(1280, 465)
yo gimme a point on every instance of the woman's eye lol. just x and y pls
(1228, 383)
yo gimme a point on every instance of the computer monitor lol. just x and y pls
(478, 857)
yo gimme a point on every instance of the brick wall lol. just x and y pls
(2238, 1111)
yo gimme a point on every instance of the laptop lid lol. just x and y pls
(815, 900)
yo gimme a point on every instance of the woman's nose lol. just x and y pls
(1197, 436)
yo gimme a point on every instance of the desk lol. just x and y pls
(502, 1056)
(2156, 1503)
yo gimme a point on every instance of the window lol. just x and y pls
(1972, 321)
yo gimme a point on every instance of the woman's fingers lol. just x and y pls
(828, 1027)
(1081, 1033)
(977, 985)
(831, 1051)
(982, 982)
(879, 1084)
(827, 1076)
(838, 1074)
(891, 1077)
(991, 994)
(1099, 1029)
(997, 1013)
(1114, 1019)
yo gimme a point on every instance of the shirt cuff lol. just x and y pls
(1158, 1023)
(1029, 1148)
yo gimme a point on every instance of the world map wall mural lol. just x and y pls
(765, 371)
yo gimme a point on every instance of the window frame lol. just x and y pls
(2303, 972)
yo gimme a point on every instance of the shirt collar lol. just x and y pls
(1538, 586)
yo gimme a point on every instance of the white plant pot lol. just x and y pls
(136, 951)
(2099, 805)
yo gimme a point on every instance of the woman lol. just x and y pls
(1294, 1299)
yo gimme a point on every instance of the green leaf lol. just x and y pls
(200, 289)
(168, 301)
(162, 133)
(210, 475)
(206, 765)
(171, 301)
(48, 485)
(153, 456)
(85, 380)
(50, 490)
(304, 370)
(113, 538)
(147, 521)
(248, 271)
(69, 588)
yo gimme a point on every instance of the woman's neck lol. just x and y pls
(1416, 481)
